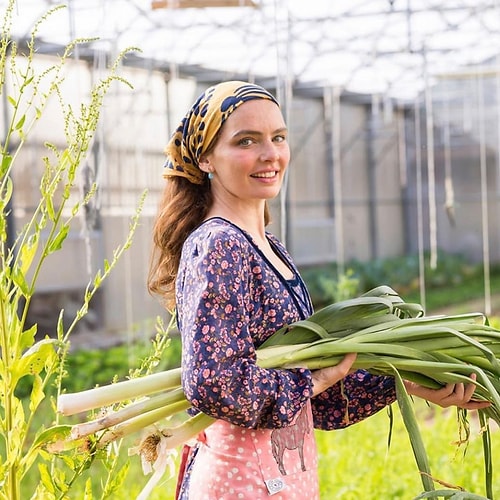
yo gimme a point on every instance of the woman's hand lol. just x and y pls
(326, 377)
(450, 395)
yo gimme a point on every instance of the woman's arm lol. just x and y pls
(360, 395)
(216, 309)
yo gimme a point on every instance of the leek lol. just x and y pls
(391, 338)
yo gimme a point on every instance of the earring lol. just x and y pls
(210, 175)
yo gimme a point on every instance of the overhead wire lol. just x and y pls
(419, 201)
(431, 168)
(283, 48)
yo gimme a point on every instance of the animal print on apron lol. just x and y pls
(236, 463)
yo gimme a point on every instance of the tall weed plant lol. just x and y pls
(26, 94)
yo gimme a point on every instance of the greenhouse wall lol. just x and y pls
(353, 188)
(463, 188)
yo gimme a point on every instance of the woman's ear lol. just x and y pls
(204, 163)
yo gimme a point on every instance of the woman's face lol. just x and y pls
(251, 155)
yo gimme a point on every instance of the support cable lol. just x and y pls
(431, 171)
(284, 95)
(337, 179)
(449, 203)
(420, 216)
(484, 195)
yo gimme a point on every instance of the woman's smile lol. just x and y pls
(270, 174)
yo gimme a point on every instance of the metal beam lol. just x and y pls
(200, 4)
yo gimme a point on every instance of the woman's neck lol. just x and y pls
(250, 221)
(255, 227)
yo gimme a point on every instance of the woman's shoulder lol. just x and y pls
(274, 239)
(216, 230)
(278, 244)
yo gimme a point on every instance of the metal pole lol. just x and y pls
(372, 182)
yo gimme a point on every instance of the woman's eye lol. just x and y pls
(246, 141)
(280, 138)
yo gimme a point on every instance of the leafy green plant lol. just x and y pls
(27, 92)
(443, 284)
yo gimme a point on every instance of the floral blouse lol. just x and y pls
(230, 299)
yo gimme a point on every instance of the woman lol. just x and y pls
(233, 284)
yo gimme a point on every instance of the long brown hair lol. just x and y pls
(183, 207)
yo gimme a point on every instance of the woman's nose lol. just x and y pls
(269, 152)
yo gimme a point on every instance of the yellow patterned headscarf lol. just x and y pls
(201, 124)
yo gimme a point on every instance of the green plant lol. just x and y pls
(27, 93)
(382, 470)
(443, 284)
(391, 338)
(377, 471)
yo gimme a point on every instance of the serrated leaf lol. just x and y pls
(27, 337)
(6, 161)
(97, 278)
(117, 480)
(57, 439)
(59, 480)
(9, 187)
(16, 435)
(57, 242)
(60, 324)
(37, 394)
(46, 478)
(19, 280)
(36, 358)
(69, 461)
(88, 490)
(49, 205)
(28, 252)
(75, 209)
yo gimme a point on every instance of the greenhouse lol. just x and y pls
(393, 109)
(392, 112)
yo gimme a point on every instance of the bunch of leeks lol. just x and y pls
(391, 337)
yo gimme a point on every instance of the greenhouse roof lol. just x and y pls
(388, 47)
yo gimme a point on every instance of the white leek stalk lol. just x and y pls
(99, 397)
(175, 436)
(132, 410)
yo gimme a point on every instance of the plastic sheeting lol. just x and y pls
(384, 47)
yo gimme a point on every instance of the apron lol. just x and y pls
(235, 463)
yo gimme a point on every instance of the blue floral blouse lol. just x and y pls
(230, 299)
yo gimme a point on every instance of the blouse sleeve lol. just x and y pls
(357, 397)
(220, 376)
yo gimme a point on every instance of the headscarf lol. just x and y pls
(202, 123)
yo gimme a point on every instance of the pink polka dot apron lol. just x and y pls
(235, 463)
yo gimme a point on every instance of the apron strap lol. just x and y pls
(186, 451)
(186, 456)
